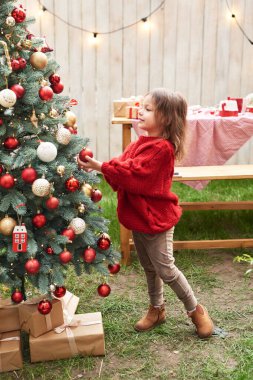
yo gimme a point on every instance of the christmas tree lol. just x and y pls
(49, 208)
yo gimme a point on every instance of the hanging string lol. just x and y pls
(143, 19)
(238, 24)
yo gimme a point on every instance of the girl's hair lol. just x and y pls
(170, 113)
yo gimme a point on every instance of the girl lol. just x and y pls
(142, 177)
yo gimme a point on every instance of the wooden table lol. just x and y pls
(195, 173)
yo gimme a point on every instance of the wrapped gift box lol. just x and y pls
(10, 351)
(119, 106)
(83, 336)
(69, 304)
(9, 317)
(33, 322)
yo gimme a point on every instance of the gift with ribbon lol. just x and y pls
(10, 351)
(69, 305)
(132, 112)
(83, 335)
(8, 316)
(37, 324)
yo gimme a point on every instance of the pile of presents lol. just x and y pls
(60, 334)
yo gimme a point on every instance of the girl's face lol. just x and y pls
(147, 120)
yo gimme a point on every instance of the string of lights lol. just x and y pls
(95, 33)
(238, 24)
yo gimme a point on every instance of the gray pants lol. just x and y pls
(155, 253)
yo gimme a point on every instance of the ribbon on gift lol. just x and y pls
(11, 338)
(70, 335)
(66, 303)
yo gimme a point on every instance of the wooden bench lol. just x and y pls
(199, 173)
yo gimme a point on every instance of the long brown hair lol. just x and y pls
(170, 113)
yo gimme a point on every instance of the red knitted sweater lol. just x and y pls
(142, 177)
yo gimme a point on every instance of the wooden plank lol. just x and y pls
(115, 68)
(208, 244)
(240, 205)
(156, 46)
(213, 244)
(196, 52)
(196, 173)
(103, 82)
(170, 44)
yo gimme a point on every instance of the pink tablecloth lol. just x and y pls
(212, 140)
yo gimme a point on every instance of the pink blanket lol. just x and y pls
(212, 140)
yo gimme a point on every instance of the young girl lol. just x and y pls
(142, 177)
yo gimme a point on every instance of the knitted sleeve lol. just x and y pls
(144, 174)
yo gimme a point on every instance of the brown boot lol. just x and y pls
(202, 321)
(154, 317)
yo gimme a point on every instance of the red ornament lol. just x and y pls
(1, 121)
(72, 130)
(96, 195)
(44, 307)
(54, 79)
(65, 256)
(7, 181)
(72, 184)
(30, 36)
(104, 290)
(15, 65)
(11, 143)
(114, 268)
(104, 242)
(19, 14)
(60, 291)
(49, 250)
(89, 255)
(18, 90)
(22, 63)
(39, 220)
(69, 233)
(57, 88)
(29, 175)
(52, 203)
(1, 169)
(32, 266)
(17, 296)
(85, 152)
(46, 93)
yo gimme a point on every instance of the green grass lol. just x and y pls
(172, 350)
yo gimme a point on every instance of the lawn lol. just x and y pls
(172, 350)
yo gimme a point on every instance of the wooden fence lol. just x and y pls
(192, 46)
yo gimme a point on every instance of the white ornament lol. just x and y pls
(78, 225)
(63, 136)
(7, 98)
(41, 187)
(10, 21)
(52, 287)
(46, 151)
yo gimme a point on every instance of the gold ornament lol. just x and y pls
(42, 116)
(7, 225)
(53, 113)
(26, 44)
(34, 119)
(71, 119)
(38, 60)
(44, 82)
(60, 170)
(86, 189)
(81, 208)
(63, 136)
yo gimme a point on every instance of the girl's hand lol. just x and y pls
(91, 164)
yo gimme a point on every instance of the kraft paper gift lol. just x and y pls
(10, 351)
(69, 305)
(9, 317)
(132, 112)
(119, 106)
(35, 323)
(84, 336)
